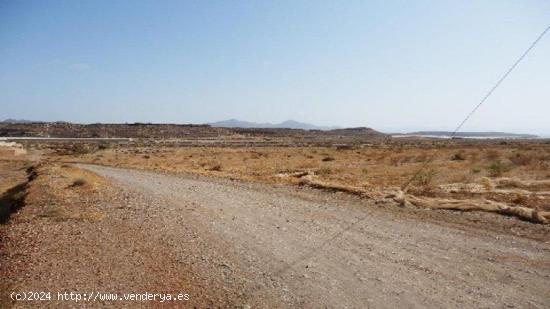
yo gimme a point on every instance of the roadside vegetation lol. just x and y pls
(370, 169)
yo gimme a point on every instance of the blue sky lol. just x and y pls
(390, 65)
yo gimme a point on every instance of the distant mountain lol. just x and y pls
(447, 134)
(289, 124)
(234, 123)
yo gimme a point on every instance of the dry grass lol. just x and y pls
(376, 168)
(384, 166)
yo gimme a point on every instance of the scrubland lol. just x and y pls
(517, 174)
(361, 167)
(507, 177)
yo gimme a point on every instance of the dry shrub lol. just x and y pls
(473, 155)
(264, 154)
(487, 183)
(497, 168)
(395, 160)
(543, 161)
(458, 156)
(79, 182)
(216, 167)
(520, 199)
(73, 149)
(307, 165)
(406, 159)
(492, 154)
(421, 158)
(323, 171)
(327, 159)
(343, 147)
(425, 177)
(380, 158)
(521, 159)
(463, 178)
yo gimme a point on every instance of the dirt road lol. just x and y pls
(267, 246)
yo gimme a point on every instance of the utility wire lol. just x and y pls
(500, 80)
(426, 163)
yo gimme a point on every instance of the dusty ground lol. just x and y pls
(231, 243)
(78, 234)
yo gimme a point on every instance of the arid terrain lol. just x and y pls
(437, 174)
(275, 154)
(280, 220)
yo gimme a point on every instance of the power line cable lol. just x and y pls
(426, 163)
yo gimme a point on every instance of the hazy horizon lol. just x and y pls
(394, 66)
(397, 131)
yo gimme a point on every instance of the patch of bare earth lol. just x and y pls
(77, 233)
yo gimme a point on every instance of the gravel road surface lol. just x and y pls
(277, 246)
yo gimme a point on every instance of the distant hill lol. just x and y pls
(289, 124)
(20, 121)
(61, 129)
(447, 134)
(193, 134)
